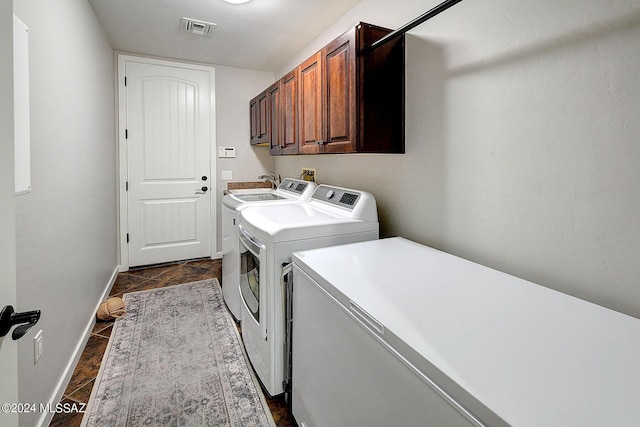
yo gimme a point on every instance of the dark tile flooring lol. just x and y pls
(83, 378)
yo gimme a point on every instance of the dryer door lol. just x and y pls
(253, 258)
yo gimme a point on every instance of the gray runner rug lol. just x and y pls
(176, 359)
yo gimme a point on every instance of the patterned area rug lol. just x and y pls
(176, 359)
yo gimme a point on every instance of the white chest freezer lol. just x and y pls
(390, 332)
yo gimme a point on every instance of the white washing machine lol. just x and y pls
(289, 191)
(268, 237)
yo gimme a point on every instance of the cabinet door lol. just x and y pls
(263, 123)
(289, 100)
(311, 126)
(339, 60)
(258, 119)
(253, 121)
(274, 114)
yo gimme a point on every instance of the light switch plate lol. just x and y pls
(38, 346)
(226, 175)
(226, 152)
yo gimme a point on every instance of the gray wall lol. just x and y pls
(234, 88)
(522, 140)
(66, 227)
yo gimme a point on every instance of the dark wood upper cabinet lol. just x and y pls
(311, 126)
(263, 127)
(340, 100)
(381, 96)
(282, 110)
(289, 108)
(253, 120)
(274, 113)
(339, 85)
(258, 119)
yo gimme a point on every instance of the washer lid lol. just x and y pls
(287, 222)
(291, 190)
(258, 197)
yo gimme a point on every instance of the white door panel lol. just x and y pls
(169, 115)
(183, 213)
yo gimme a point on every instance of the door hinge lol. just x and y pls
(126, 134)
(125, 80)
(127, 237)
(126, 186)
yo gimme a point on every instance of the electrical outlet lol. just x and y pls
(308, 174)
(38, 346)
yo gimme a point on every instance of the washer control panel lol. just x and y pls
(293, 185)
(336, 196)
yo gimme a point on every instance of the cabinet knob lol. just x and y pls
(321, 142)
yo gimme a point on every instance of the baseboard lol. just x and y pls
(46, 417)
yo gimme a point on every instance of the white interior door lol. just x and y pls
(169, 115)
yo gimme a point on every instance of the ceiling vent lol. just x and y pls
(200, 28)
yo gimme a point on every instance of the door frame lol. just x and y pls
(123, 222)
(8, 285)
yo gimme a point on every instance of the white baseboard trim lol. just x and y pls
(46, 417)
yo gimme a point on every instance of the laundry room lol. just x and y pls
(501, 134)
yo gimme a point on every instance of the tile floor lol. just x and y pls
(83, 378)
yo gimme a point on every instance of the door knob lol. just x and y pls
(204, 178)
(9, 318)
(202, 189)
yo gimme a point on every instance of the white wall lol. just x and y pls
(234, 88)
(522, 140)
(66, 227)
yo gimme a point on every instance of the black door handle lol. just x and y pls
(204, 188)
(9, 318)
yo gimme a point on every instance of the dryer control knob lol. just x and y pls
(330, 194)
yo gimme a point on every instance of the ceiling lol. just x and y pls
(260, 35)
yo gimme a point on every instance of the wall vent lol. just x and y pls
(195, 26)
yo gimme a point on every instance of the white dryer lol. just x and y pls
(268, 237)
(290, 191)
